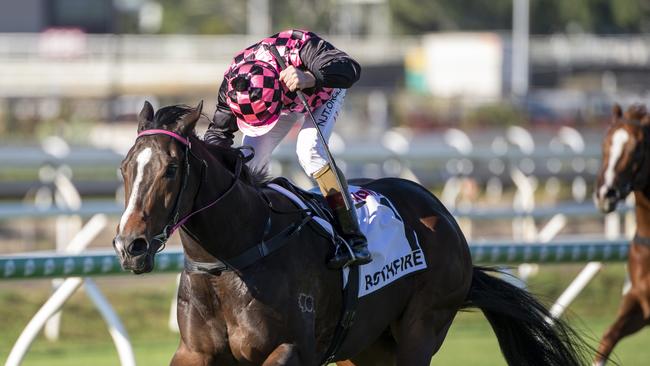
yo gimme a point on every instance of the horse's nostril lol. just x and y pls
(611, 193)
(138, 246)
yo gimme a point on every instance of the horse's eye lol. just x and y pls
(171, 171)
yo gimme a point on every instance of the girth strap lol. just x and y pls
(350, 302)
(250, 255)
(641, 239)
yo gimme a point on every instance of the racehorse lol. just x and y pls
(625, 169)
(284, 308)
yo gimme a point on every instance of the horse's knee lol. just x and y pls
(284, 355)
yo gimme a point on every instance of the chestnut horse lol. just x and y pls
(284, 308)
(625, 169)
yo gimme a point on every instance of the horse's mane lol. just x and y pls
(229, 156)
(635, 112)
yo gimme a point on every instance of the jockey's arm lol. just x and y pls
(224, 124)
(331, 67)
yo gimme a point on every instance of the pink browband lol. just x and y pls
(174, 135)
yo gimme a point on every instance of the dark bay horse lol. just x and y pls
(283, 310)
(625, 169)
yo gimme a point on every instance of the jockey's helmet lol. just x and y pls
(255, 96)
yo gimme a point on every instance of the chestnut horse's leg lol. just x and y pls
(630, 319)
(285, 355)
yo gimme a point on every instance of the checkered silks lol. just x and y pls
(288, 43)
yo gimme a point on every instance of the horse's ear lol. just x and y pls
(145, 117)
(617, 111)
(187, 124)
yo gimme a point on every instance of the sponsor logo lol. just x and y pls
(30, 267)
(326, 114)
(49, 267)
(394, 269)
(89, 265)
(107, 264)
(10, 268)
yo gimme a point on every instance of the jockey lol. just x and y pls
(259, 99)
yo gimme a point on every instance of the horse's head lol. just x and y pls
(624, 165)
(155, 176)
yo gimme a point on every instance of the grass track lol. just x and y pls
(85, 340)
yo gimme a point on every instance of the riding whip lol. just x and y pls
(303, 100)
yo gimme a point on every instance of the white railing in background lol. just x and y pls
(72, 237)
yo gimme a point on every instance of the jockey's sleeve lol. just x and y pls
(332, 67)
(224, 123)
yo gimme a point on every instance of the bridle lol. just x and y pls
(176, 220)
(640, 179)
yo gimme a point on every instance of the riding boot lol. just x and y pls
(347, 220)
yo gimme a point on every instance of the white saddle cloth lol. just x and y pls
(395, 253)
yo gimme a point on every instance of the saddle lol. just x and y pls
(315, 202)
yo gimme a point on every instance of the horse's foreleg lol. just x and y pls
(184, 356)
(285, 355)
(630, 319)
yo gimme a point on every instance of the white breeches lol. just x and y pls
(310, 150)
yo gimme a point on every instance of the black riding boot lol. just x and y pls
(347, 220)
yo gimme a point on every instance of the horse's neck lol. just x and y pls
(642, 210)
(227, 228)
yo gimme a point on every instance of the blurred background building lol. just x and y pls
(80, 70)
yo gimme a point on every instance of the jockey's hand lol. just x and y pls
(296, 79)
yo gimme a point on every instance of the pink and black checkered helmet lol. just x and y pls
(255, 96)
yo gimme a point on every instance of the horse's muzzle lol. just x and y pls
(607, 203)
(134, 256)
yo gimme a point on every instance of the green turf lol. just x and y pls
(99, 353)
(143, 304)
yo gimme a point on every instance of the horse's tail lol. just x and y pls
(520, 322)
